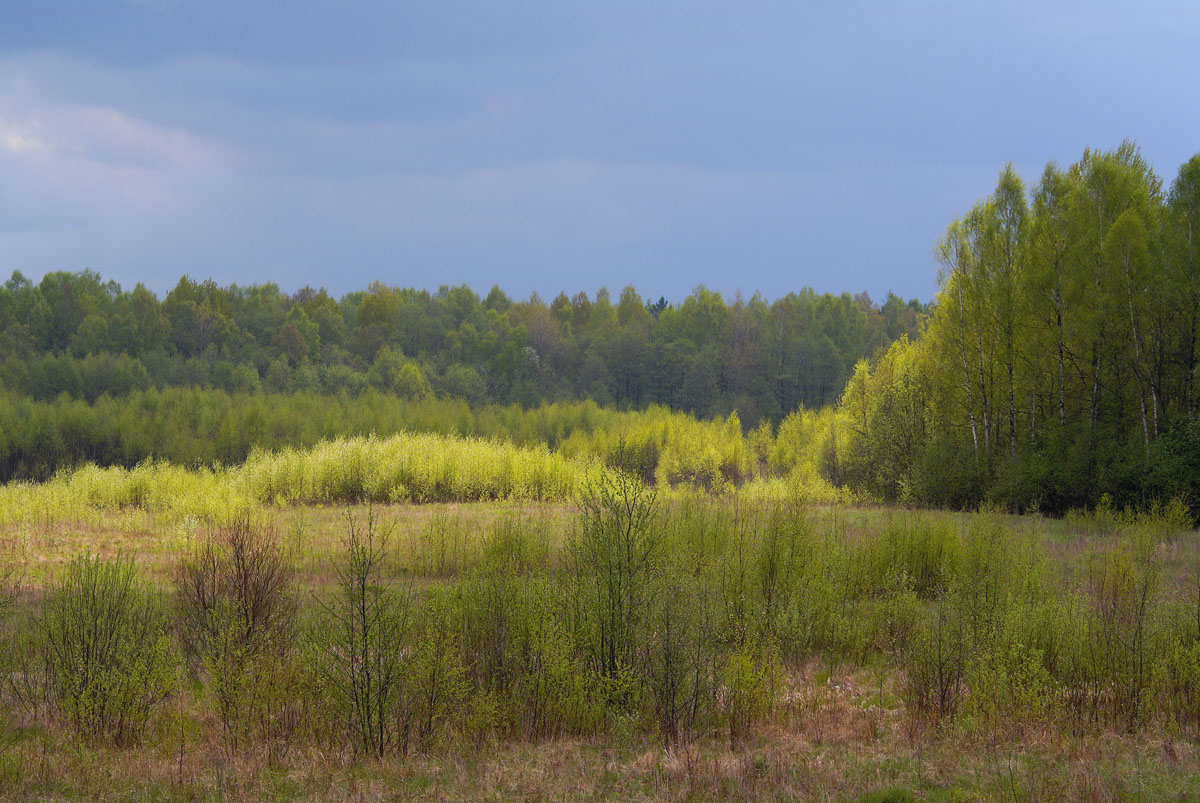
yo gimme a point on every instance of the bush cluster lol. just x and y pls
(675, 618)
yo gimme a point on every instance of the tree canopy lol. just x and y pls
(1060, 360)
(77, 334)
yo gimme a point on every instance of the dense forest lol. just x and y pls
(77, 334)
(1059, 364)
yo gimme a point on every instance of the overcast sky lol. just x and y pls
(556, 145)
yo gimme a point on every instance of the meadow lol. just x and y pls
(424, 617)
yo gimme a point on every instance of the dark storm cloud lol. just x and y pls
(555, 145)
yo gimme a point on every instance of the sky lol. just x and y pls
(557, 145)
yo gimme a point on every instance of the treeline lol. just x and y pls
(76, 334)
(1060, 362)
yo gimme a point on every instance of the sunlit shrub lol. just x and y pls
(925, 548)
(106, 651)
(1123, 585)
(677, 662)
(935, 663)
(359, 643)
(748, 693)
(235, 611)
(613, 558)
(434, 681)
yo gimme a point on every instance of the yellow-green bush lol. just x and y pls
(400, 468)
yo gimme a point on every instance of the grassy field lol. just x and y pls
(760, 651)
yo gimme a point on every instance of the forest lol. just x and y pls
(1058, 365)
(76, 334)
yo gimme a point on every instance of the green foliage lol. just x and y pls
(464, 382)
(518, 650)
(1181, 697)
(434, 680)
(935, 663)
(613, 558)
(922, 550)
(360, 640)
(393, 373)
(675, 617)
(418, 468)
(105, 648)
(1123, 585)
(73, 333)
(8, 595)
(748, 693)
(1059, 362)
(214, 428)
(676, 659)
(401, 468)
(235, 610)
(889, 795)
(1010, 688)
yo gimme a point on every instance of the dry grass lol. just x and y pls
(832, 742)
(429, 539)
